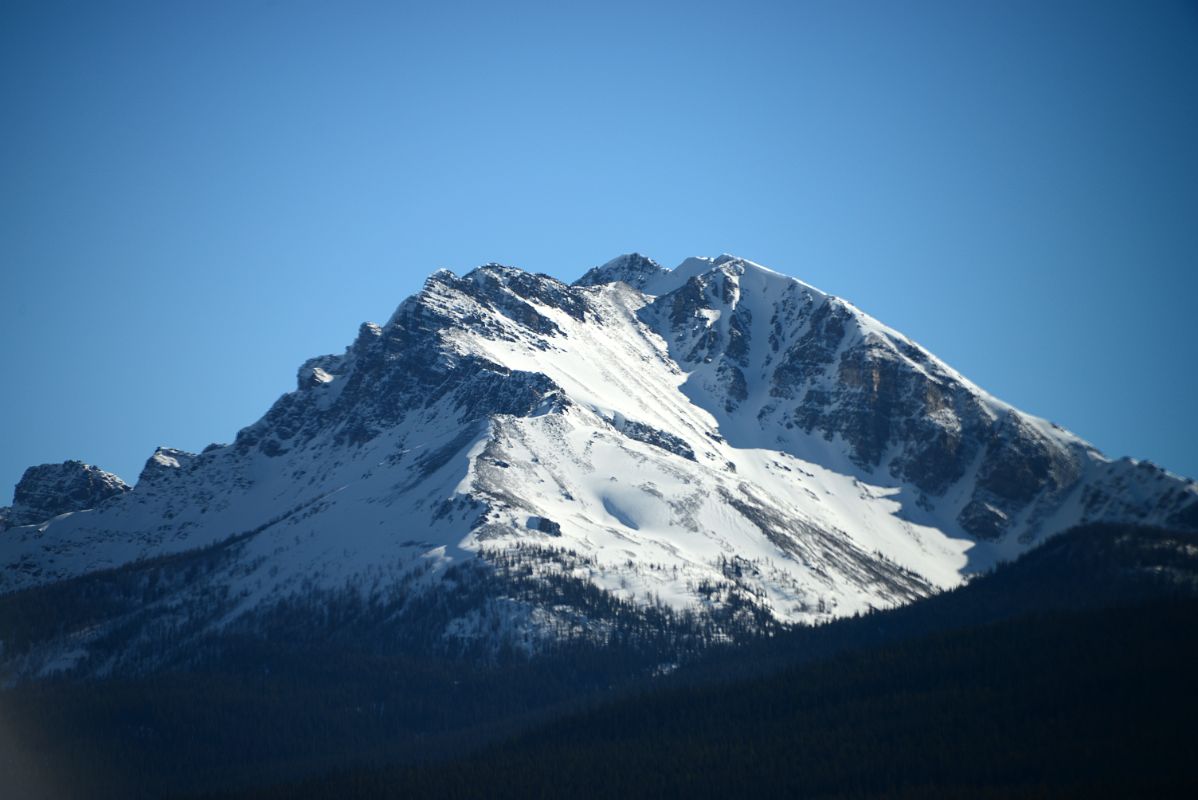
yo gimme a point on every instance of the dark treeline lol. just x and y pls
(1097, 703)
(956, 691)
(1090, 567)
(322, 679)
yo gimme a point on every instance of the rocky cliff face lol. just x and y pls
(510, 460)
(633, 269)
(816, 365)
(47, 490)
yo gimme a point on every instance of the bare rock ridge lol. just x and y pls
(510, 460)
(47, 490)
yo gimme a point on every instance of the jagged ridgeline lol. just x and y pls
(512, 465)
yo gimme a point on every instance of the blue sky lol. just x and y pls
(195, 197)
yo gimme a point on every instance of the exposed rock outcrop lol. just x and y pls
(47, 490)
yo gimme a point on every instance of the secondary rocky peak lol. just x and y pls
(165, 462)
(633, 269)
(47, 490)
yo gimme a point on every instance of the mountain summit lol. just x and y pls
(510, 461)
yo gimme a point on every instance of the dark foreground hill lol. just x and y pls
(1097, 703)
(1066, 669)
(1084, 689)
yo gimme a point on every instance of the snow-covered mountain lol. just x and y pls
(510, 459)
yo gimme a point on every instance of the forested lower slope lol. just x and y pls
(1097, 703)
(1033, 676)
(1068, 672)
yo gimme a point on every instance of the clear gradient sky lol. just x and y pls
(197, 196)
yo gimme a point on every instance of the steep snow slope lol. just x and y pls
(717, 440)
